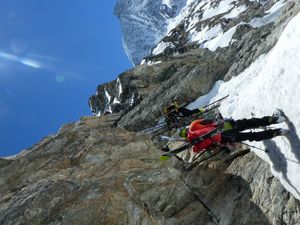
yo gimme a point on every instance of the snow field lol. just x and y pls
(272, 81)
(271, 15)
(214, 37)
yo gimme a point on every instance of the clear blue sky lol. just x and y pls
(53, 54)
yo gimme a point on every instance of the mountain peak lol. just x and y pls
(144, 23)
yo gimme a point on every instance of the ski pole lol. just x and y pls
(218, 100)
(252, 146)
(157, 126)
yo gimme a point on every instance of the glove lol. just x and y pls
(227, 126)
(201, 109)
(165, 148)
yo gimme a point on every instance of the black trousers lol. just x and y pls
(234, 135)
(187, 112)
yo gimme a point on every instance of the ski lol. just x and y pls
(201, 159)
(167, 138)
(218, 100)
(183, 121)
(213, 132)
(206, 109)
(175, 151)
(154, 128)
(185, 146)
(160, 127)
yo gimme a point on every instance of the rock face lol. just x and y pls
(184, 77)
(92, 173)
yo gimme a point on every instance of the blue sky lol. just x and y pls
(53, 54)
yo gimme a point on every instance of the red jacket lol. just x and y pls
(197, 129)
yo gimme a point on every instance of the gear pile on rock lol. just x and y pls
(178, 116)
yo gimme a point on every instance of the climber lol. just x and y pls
(180, 110)
(175, 111)
(231, 131)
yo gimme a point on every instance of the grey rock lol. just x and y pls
(189, 78)
(4, 162)
(115, 177)
(185, 77)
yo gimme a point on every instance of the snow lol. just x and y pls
(199, 6)
(271, 82)
(277, 6)
(143, 62)
(161, 47)
(120, 87)
(108, 97)
(131, 100)
(210, 11)
(206, 99)
(153, 62)
(271, 16)
(205, 34)
(167, 3)
(173, 22)
(235, 12)
(215, 37)
(116, 101)
(222, 40)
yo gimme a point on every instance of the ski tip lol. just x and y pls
(164, 158)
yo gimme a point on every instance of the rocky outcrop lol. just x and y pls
(190, 76)
(4, 162)
(92, 173)
(149, 88)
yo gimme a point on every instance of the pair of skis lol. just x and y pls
(197, 140)
(173, 152)
(161, 127)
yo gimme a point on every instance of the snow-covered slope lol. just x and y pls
(144, 23)
(212, 23)
(272, 81)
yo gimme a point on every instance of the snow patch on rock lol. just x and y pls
(210, 10)
(222, 40)
(271, 15)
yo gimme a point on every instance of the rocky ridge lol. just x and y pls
(83, 175)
